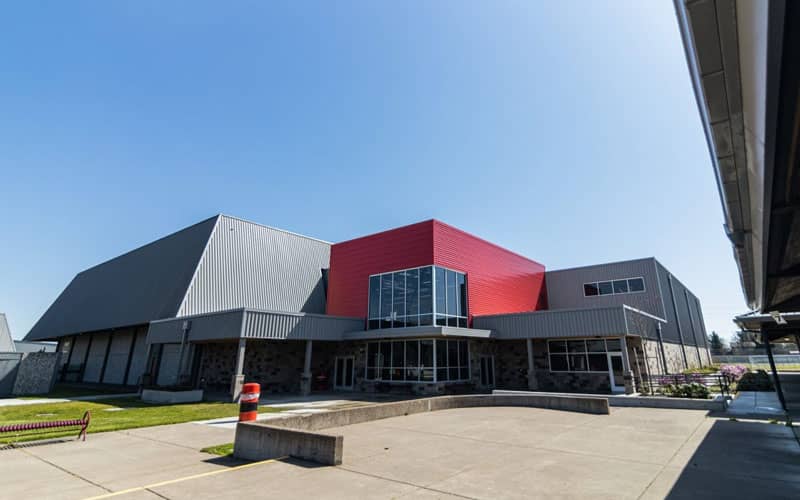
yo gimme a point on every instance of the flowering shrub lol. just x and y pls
(690, 390)
(734, 372)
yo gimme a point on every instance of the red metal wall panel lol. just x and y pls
(352, 262)
(498, 280)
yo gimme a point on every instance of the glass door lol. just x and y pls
(615, 372)
(343, 373)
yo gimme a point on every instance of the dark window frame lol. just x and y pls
(596, 287)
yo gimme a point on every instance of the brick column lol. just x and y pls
(533, 385)
(238, 377)
(305, 381)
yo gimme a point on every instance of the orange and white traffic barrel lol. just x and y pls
(248, 402)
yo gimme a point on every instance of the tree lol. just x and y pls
(716, 343)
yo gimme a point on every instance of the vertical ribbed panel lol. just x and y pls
(608, 321)
(275, 325)
(213, 326)
(353, 261)
(249, 265)
(565, 287)
(670, 330)
(498, 280)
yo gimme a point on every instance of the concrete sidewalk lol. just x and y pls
(22, 402)
(110, 461)
(755, 405)
(490, 452)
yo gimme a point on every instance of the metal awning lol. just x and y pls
(251, 324)
(612, 321)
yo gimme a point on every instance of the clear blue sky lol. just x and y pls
(566, 131)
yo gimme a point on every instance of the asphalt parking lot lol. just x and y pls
(463, 453)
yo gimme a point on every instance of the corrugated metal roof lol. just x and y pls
(253, 266)
(6, 342)
(218, 264)
(142, 285)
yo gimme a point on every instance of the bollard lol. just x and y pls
(248, 402)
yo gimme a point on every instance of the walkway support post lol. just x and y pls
(627, 373)
(533, 385)
(778, 387)
(238, 376)
(305, 381)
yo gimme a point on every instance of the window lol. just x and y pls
(606, 288)
(613, 287)
(418, 297)
(581, 355)
(414, 360)
(636, 285)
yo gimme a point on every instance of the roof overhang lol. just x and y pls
(417, 331)
(744, 60)
(252, 324)
(772, 326)
(612, 321)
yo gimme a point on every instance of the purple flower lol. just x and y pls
(733, 372)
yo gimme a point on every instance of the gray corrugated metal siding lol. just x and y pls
(275, 325)
(253, 266)
(213, 326)
(565, 287)
(552, 324)
(266, 325)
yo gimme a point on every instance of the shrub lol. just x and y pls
(755, 381)
(691, 390)
(734, 372)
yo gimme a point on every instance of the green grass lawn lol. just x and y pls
(126, 413)
(220, 449)
(65, 391)
(781, 368)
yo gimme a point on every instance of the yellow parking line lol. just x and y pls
(187, 478)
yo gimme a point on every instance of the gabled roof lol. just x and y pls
(139, 286)
(217, 264)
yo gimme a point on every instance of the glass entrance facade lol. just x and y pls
(422, 360)
(422, 296)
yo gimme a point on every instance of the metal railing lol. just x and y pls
(716, 383)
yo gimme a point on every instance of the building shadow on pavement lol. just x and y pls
(739, 459)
